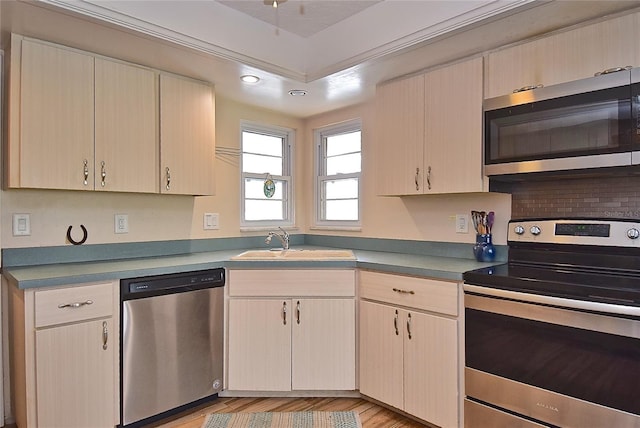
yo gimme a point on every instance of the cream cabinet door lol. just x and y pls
(323, 344)
(431, 368)
(126, 140)
(75, 375)
(566, 56)
(56, 119)
(187, 136)
(400, 137)
(453, 129)
(259, 345)
(381, 353)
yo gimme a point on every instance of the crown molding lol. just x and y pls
(314, 72)
(430, 34)
(157, 31)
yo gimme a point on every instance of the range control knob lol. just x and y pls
(535, 230)
(519, 230)
(633, 233)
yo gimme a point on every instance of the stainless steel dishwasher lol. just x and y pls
(171, 343)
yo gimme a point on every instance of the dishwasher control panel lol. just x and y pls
(171, 283)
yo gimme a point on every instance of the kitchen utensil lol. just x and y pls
(490, 219)
(474, 218)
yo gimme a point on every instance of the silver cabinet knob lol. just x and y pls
(633, 233)
(535, 230)
(519, 230)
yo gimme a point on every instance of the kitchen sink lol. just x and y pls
(294, 254)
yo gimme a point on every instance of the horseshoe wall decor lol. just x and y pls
(84, 235)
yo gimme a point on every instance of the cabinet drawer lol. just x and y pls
(420, 293)
(48, 302)
(310, 282)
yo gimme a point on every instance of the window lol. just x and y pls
(338, 175)
(266, 160)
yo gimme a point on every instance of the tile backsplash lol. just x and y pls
(601, 197)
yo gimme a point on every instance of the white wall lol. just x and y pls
(428, 217)
(151, 217)
(162, 217)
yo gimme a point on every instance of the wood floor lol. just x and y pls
(371, 415)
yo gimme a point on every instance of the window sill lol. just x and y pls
(268, 228)
(338, 228)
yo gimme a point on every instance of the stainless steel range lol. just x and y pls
(553, 336)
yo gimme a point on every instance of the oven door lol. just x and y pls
(560, 366)
(576, 125)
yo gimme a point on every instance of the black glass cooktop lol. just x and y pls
(598, 285)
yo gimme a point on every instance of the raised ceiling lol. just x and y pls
(303, 18)
(335, 50)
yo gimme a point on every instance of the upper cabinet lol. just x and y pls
(187, 130)
(400, 136)
(52, 120)
(565, 56)
(126, 140)
(429, 132)
(78, 121)
(453, 129)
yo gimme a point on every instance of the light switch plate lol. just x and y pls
(121, 222)
(211, 221)
(21, 224)
(462, 223)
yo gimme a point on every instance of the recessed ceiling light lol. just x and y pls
(297, 92)
(250, 78)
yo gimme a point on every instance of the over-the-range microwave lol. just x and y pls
(584, 124)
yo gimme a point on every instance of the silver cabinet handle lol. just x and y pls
(416, 178)
(105, 335)
(75, 304)
(401, 291)
(168, 179)
(613, 70)
(429, 178)
(298, 312)
(284, 313)
(86, 172)
(409, 325)
(395, 323)
(528, 88)
(103, 174)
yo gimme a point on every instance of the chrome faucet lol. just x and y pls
(283, 237)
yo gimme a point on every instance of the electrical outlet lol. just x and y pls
(462, 223)
(21, 224)
(121, 223)
(211, 221)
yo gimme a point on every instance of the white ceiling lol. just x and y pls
(349, 32)
(303, 18)
(336, 50)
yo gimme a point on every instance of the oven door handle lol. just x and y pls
(608, 308)
(548, 309)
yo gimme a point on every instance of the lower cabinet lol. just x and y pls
(291, 330)
(65, 353)
(409, 345)
(74, 374)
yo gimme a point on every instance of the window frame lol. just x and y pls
(288, 136)
(320, 135)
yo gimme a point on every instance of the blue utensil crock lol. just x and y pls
(483, 250)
